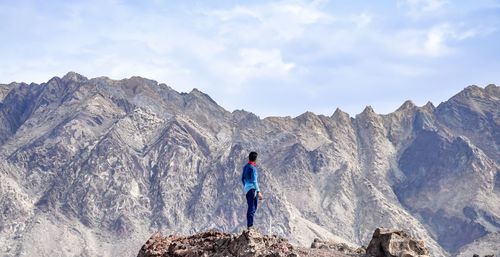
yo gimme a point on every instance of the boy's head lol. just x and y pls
(252, 156)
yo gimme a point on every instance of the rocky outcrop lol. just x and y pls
(394, 243)
(213, 243)
(251, 243)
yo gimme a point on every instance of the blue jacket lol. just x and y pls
(249, 178)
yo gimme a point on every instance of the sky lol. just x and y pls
(272, 58)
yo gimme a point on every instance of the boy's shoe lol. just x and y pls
(252, 229)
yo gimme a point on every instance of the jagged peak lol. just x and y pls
(54, 79)
(340, 115)
(473, 88)
(165, 86)
(138, 80)
(73, 76)
(240, 111)
(339, 111)
(476, 91)
(196, 91)
(407, 105)
(368, 110)
(471, 91)
(491, 88)
(308, 115)
(244, 113)
(199, 94)
(429, 106)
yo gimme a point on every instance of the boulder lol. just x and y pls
(395, 243)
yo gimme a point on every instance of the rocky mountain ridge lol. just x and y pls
(99, 164)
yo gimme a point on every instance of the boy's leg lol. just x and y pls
(251, 207)
(255, 202)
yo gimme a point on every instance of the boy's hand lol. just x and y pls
(261, 197)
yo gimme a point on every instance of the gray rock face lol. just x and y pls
(485, 246)
(4, 90)
(100, 164)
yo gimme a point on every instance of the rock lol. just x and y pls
(250, 243)
(395, 243)
(214, 243)
(341, 247)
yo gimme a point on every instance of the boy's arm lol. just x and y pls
(254, 180)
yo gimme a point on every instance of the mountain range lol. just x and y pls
(92, 167)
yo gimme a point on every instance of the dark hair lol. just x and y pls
(252, 156)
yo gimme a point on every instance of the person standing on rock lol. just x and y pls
(251, 187)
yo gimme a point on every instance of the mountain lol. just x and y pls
(95, 166)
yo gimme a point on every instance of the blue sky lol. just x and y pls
(268, 57)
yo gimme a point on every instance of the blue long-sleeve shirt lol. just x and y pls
(249, 178)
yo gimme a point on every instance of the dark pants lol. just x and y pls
(252, 206)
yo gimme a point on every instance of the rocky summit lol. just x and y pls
(213, 243)
(92, 167)
(251, 243)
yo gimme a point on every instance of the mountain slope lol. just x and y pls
(99, 164)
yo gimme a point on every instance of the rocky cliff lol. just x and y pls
(99, 164)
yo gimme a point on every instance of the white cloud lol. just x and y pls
(363, 20)
(281, 21)
(301, 14)
(234, 13)
(419, 8)
(435, 41)
(258, 63)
